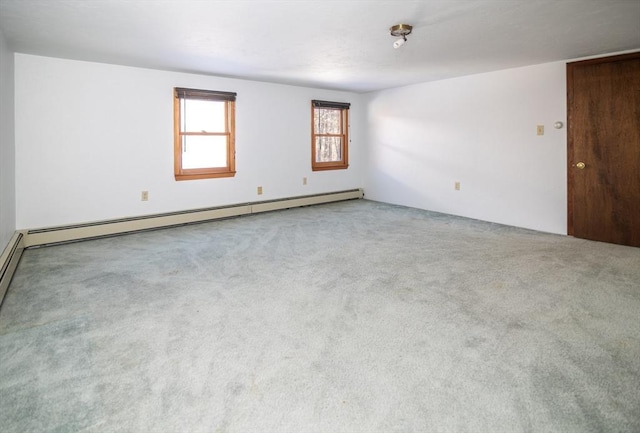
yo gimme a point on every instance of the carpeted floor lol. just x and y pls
(349, 317)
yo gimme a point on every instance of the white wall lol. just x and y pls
(7, 146)
(90, 137)
(481, 131)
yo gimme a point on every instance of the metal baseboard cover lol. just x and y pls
(9, 262)
(98, 229)
(308, 200)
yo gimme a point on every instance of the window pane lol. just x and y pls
(200, 151)
(327, 121)
(328, 149)
(199, 115)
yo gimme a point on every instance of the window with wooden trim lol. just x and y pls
(329, 135)
(204, 134)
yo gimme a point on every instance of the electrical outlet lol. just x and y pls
(144, 196)
(259, 190)
(456, 186)
(304, 180)
(540, 129)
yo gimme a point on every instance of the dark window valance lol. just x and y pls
(183, 93)
(328, 104)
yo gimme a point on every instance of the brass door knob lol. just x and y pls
(580, 165)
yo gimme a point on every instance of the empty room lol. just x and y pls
(292, 216)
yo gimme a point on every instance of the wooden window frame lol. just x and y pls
(229, 170)
(344, 135)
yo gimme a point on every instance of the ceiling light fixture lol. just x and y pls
(400, 31)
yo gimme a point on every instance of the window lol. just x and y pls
(204, 134)
(329, 136)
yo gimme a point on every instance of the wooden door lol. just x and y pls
(604, 149)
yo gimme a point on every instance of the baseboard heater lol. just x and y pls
(63, 234)
(9, 261)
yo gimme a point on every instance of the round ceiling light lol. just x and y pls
(400, 31)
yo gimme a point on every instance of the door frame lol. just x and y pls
(570, 154)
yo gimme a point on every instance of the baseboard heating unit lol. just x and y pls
(9, 261)
(62, 234)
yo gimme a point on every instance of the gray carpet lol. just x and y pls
(349, 317)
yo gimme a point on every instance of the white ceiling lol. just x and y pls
(332, 44)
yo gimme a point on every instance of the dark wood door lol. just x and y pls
(604, 149)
